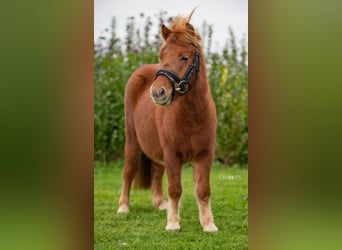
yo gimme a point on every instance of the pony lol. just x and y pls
(170, 120)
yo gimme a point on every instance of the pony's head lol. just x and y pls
(179, 59)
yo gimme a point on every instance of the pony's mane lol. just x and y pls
(182, 31)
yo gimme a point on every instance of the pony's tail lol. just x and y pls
(142, 179)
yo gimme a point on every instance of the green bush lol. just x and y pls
(228, 77)
(116, 59)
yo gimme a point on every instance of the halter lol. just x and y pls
(183, 85)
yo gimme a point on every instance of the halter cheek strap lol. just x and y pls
(183, 84)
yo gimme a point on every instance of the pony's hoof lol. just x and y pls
(123, 209)
(211, 228)
(172, 226)
(163, 206)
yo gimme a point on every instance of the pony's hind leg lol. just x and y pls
(202, 189)
(158, 197)
(132, 160)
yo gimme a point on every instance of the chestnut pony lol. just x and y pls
(170, 119)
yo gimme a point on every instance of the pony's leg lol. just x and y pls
(158, 198)
(202, 189)
(132, 159)
(174, 172)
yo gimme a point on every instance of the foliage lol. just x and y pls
(143, 227)
(228, 77)
(115, 60)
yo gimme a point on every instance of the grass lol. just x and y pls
(143, 227)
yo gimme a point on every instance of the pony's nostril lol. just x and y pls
(161, 92)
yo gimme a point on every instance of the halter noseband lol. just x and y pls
(183, 84)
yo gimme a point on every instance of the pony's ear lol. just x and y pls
(165, 32)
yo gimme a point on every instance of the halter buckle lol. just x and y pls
(183, 87)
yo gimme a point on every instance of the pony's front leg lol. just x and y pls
(174, 172)
(202, 189)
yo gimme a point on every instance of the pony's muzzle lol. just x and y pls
(160, 96)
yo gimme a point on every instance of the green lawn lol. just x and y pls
(143, 227)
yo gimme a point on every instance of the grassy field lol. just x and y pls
(143, 227)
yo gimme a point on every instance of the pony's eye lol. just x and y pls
(184, 58)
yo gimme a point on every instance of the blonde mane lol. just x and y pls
(183, 32)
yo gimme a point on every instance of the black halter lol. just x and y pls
(183, 84)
